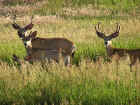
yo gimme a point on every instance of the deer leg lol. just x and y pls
(49, 59)
(72, 55)
(133, 61)
(73, 51)
(67, 60)
(19, 63)
(116, 57)
(29, 59)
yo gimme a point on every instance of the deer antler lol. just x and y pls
(32, 18)
(14, 19)
(118, 27)
(29, 26)
(100, 34)
(15, 26)
(116, 33)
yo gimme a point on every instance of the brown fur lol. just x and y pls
(42, 55)
(54, 43)
(134, 54)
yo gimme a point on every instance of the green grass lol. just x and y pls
(7, 50)
(66, 92)
(114, 7)
(67, 86)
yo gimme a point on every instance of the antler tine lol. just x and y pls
(14, 19)
(99, 25)
(97, 28)
(32, 18)
(118, 27)
(30, 25)
(14, 24)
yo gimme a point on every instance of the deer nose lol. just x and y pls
(105, 43)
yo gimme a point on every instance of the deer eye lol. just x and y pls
(20, 34)
(27, 39)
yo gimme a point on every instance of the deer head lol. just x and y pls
(22, 30)
(27, 40)
(107, 39)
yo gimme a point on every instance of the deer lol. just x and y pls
(117, 53)
(35, 44)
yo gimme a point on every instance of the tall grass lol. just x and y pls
(61, 85)
(126, 3)
(113, 7)
(57, 7)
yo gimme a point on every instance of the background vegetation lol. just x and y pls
(90, 80)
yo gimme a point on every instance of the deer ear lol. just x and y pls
(15, 26)
(29, 26)
(33, 35)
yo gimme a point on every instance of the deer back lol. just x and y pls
(53, 43)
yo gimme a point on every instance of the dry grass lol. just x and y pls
(98, 71)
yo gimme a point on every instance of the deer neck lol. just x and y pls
(109, 50)
(29, 51)
(38, 43)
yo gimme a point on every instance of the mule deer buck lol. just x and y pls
(134, 54)
(35, 44)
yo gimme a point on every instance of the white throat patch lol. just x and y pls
(109, 43)
(28, 43)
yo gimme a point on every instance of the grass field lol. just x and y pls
(90, 80)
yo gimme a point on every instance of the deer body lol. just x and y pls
(117, 53)
(41, 48)
(134, 54)
(35, 44)
(54, 43)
